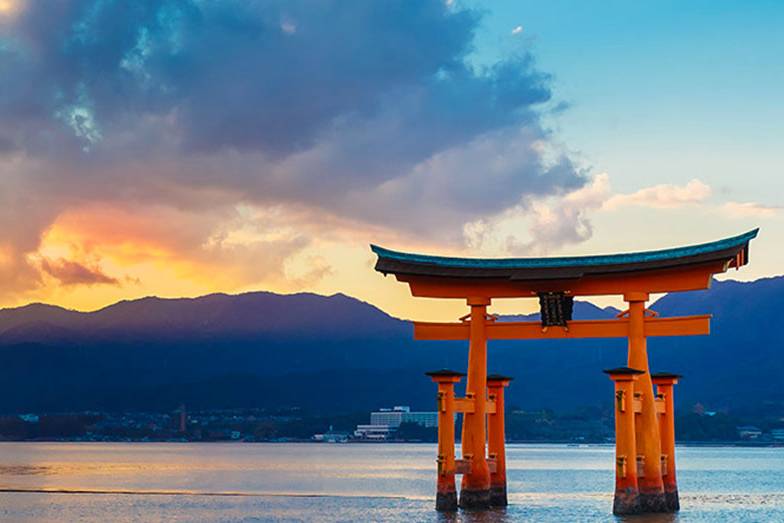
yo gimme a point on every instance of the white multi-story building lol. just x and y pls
(426, 419)
(385, 422)
(402, 414)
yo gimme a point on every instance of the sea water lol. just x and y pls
(243, 482)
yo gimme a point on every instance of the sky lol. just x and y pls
(180, 148)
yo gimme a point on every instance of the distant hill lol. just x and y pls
(338, 353)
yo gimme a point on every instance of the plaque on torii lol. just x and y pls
(645, 476)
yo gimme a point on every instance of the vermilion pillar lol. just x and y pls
(496, 439)
(627, 494)
(446, 494)
(647, 425)
(664, 388)
(475, 487)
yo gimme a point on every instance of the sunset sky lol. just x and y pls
(179, 148)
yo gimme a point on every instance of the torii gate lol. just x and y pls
(645, 460)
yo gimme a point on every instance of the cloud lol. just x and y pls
(198, 118)
(663, 196)
(550, 225)
(749, 210)
(517, 30)
(541, 225)
(266, 76)
(567, 223)
(8, 8)
(236, 246)
(69, 272)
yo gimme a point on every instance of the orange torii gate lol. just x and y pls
(644, 422)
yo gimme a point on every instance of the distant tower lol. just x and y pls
(183, 419)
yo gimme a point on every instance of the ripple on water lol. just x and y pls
(331, 483)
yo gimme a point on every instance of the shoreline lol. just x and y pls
(739, 444)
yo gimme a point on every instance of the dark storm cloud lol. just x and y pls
(248, 75)
(269, 76)
(368, 111)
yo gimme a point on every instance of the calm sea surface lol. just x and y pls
(191, 482)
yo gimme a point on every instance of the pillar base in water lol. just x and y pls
(446, 501)
(498, 496)
(627, 501)
(653, 502)
(673, 503)
(474, 499)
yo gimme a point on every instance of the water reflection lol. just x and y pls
(496, 515)
(197, 483)
(502, 515)
(649, 518)
(23, 470)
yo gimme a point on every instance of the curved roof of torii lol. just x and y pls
(733, 251)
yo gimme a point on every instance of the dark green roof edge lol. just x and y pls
(445, 373)
(569, 261)
(665, 375)
(624, 370)
(499, 377)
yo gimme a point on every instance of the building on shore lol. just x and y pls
(331, 436)
(373, 432)
(748, 432)
(395, 416)
(385, 422)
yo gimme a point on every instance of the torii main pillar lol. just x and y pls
(650, 484)
(475, 487)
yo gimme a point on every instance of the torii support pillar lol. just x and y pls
(664, 389)
(475, 487)
(647, 425)
(446, 494)
(496, 439)
(627, 493)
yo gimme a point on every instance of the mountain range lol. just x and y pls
(339, 354)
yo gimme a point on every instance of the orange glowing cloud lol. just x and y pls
(160, 251)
